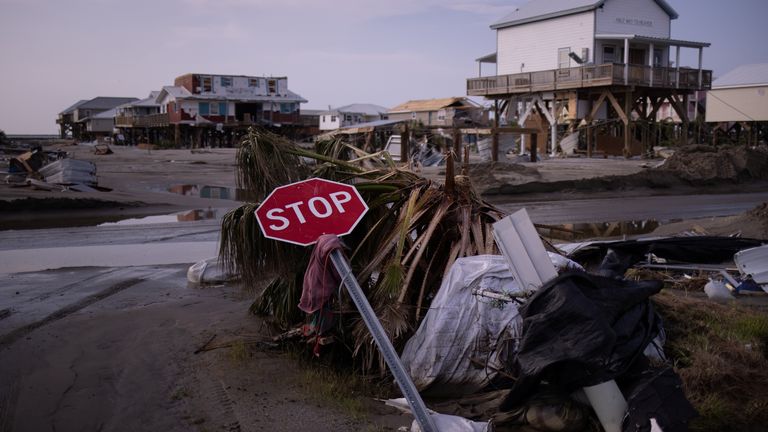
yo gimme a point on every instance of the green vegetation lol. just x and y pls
(721, 353)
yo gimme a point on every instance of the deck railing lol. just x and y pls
(151, 120)
(590, 76)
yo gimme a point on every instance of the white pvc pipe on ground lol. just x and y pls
(609, 404)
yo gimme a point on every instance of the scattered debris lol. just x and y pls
(209, 271)
(70, 171)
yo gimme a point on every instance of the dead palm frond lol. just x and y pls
(414, 231)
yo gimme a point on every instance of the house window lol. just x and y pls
(226, 81)
(214, 107)
(253, 82)
(413, 116)
(657, 57)
(222, 108)
(609, 54)
(563, 60)
(206, 83)
(323, 119)
(348, 117)
(204, 108)
(441, 115)
(272, 86)
(286, 108)
(333, 118)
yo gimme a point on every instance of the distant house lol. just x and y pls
(448, 112)
(66, 119)
(349, 115)
(200, 98)
(78, 119)
(740, 95)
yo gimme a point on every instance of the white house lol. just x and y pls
(741, 95)
(349, 115)
(580, 56)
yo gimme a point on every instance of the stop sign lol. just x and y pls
(301, 212)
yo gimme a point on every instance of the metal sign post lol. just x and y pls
(385, 346)
(301, 212)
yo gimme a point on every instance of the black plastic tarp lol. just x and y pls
(698, 250)
(581, 330)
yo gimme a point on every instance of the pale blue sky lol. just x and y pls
(334, 52)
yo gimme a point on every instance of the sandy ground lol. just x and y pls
(112, 348)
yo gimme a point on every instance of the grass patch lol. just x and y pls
(336, 384)
(720, 352)
(238, 352)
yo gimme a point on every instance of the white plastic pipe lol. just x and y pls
(609, 404)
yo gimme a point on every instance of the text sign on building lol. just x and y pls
(301, 212)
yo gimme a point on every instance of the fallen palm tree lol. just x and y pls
(413, 233)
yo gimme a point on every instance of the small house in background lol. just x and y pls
(349, 115)
(133, 119)
(80, 119)
(66, 119)
(739, 100)
(448, 112)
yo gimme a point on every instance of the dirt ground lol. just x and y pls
(127, 362)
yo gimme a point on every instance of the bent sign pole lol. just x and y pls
(301, 212)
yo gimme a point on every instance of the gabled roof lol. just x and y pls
(73, 107)
(105, 102)
(744, 76)
(366, 109)
(432, 104)
(539, 10)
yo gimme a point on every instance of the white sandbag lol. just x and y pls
(207, 271)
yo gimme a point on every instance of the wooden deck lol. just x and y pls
(147, 121)
(590, 76)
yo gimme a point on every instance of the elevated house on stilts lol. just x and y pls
(593, 72)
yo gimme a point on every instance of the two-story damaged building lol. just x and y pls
(581, 63)
(199, 101)
(446, 112)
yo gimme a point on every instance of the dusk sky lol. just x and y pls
(334, 52)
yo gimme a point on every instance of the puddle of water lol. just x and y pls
(186, 216)
(213, 192)
(582, 231)
(27, 260)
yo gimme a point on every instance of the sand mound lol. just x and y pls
(487, 175)
(700, 163)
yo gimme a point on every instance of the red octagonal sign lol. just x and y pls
(301, 212)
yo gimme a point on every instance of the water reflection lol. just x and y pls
(213, 192)
(185, 216)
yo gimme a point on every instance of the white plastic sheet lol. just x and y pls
(461, 327)
(208, 271)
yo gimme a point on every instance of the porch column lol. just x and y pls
(650, 62)
(677, 67)
(553, 128)
(626, 61)
(701, 55)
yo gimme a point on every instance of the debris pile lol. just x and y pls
(702, 163)
(532, 338)
(52, 171)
